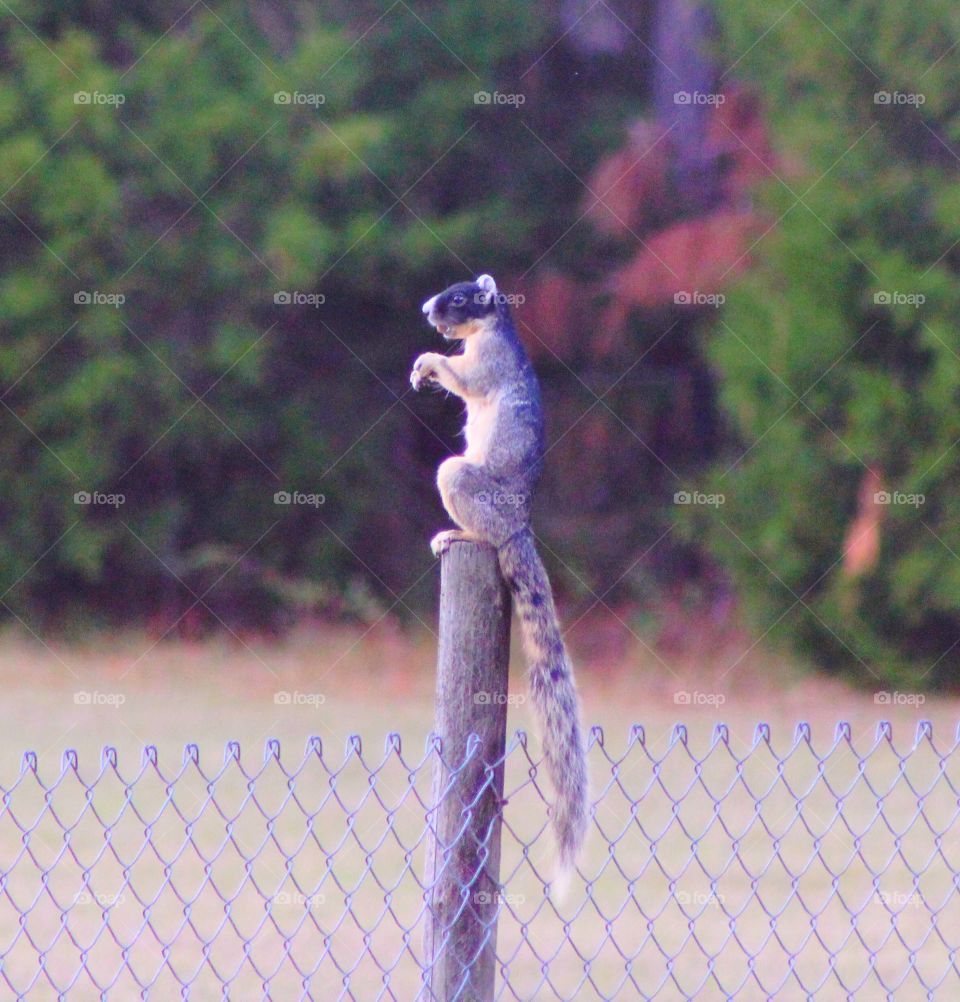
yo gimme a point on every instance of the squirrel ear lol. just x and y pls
(488, 286)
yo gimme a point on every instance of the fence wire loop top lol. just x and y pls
(717, 866)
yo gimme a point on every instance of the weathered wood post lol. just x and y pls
(463, 846)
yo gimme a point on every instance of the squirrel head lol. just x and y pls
(463, 309)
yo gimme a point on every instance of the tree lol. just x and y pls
(216, 230)
(838, 355)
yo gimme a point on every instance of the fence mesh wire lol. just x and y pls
(725, 870)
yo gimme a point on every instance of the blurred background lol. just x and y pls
(730, 232)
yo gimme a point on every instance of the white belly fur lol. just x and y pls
(481, 417)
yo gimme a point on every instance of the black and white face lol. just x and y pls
(463, 309)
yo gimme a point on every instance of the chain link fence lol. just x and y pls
(714, 869)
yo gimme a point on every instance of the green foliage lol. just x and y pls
(821, 377)
(187, 187)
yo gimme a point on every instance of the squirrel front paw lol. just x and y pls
(424, 371)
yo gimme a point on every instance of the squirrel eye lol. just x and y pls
(459, 299)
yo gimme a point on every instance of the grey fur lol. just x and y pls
(488, 492)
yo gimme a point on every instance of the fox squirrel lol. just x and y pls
(488, 493)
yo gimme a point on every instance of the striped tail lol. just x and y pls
(552, 690)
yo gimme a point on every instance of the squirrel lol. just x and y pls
(487, 491)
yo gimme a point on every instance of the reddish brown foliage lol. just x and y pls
(693, 255)
(861, 548)
(627, 185)
(631, 198)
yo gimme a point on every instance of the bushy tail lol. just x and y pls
(552, 690)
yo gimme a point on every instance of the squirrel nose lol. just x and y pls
(429, 304)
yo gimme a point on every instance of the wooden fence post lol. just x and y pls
(463, 845)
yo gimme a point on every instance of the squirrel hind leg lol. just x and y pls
(442, 540)
(484, 507)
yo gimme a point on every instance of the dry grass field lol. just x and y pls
(287, 874)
